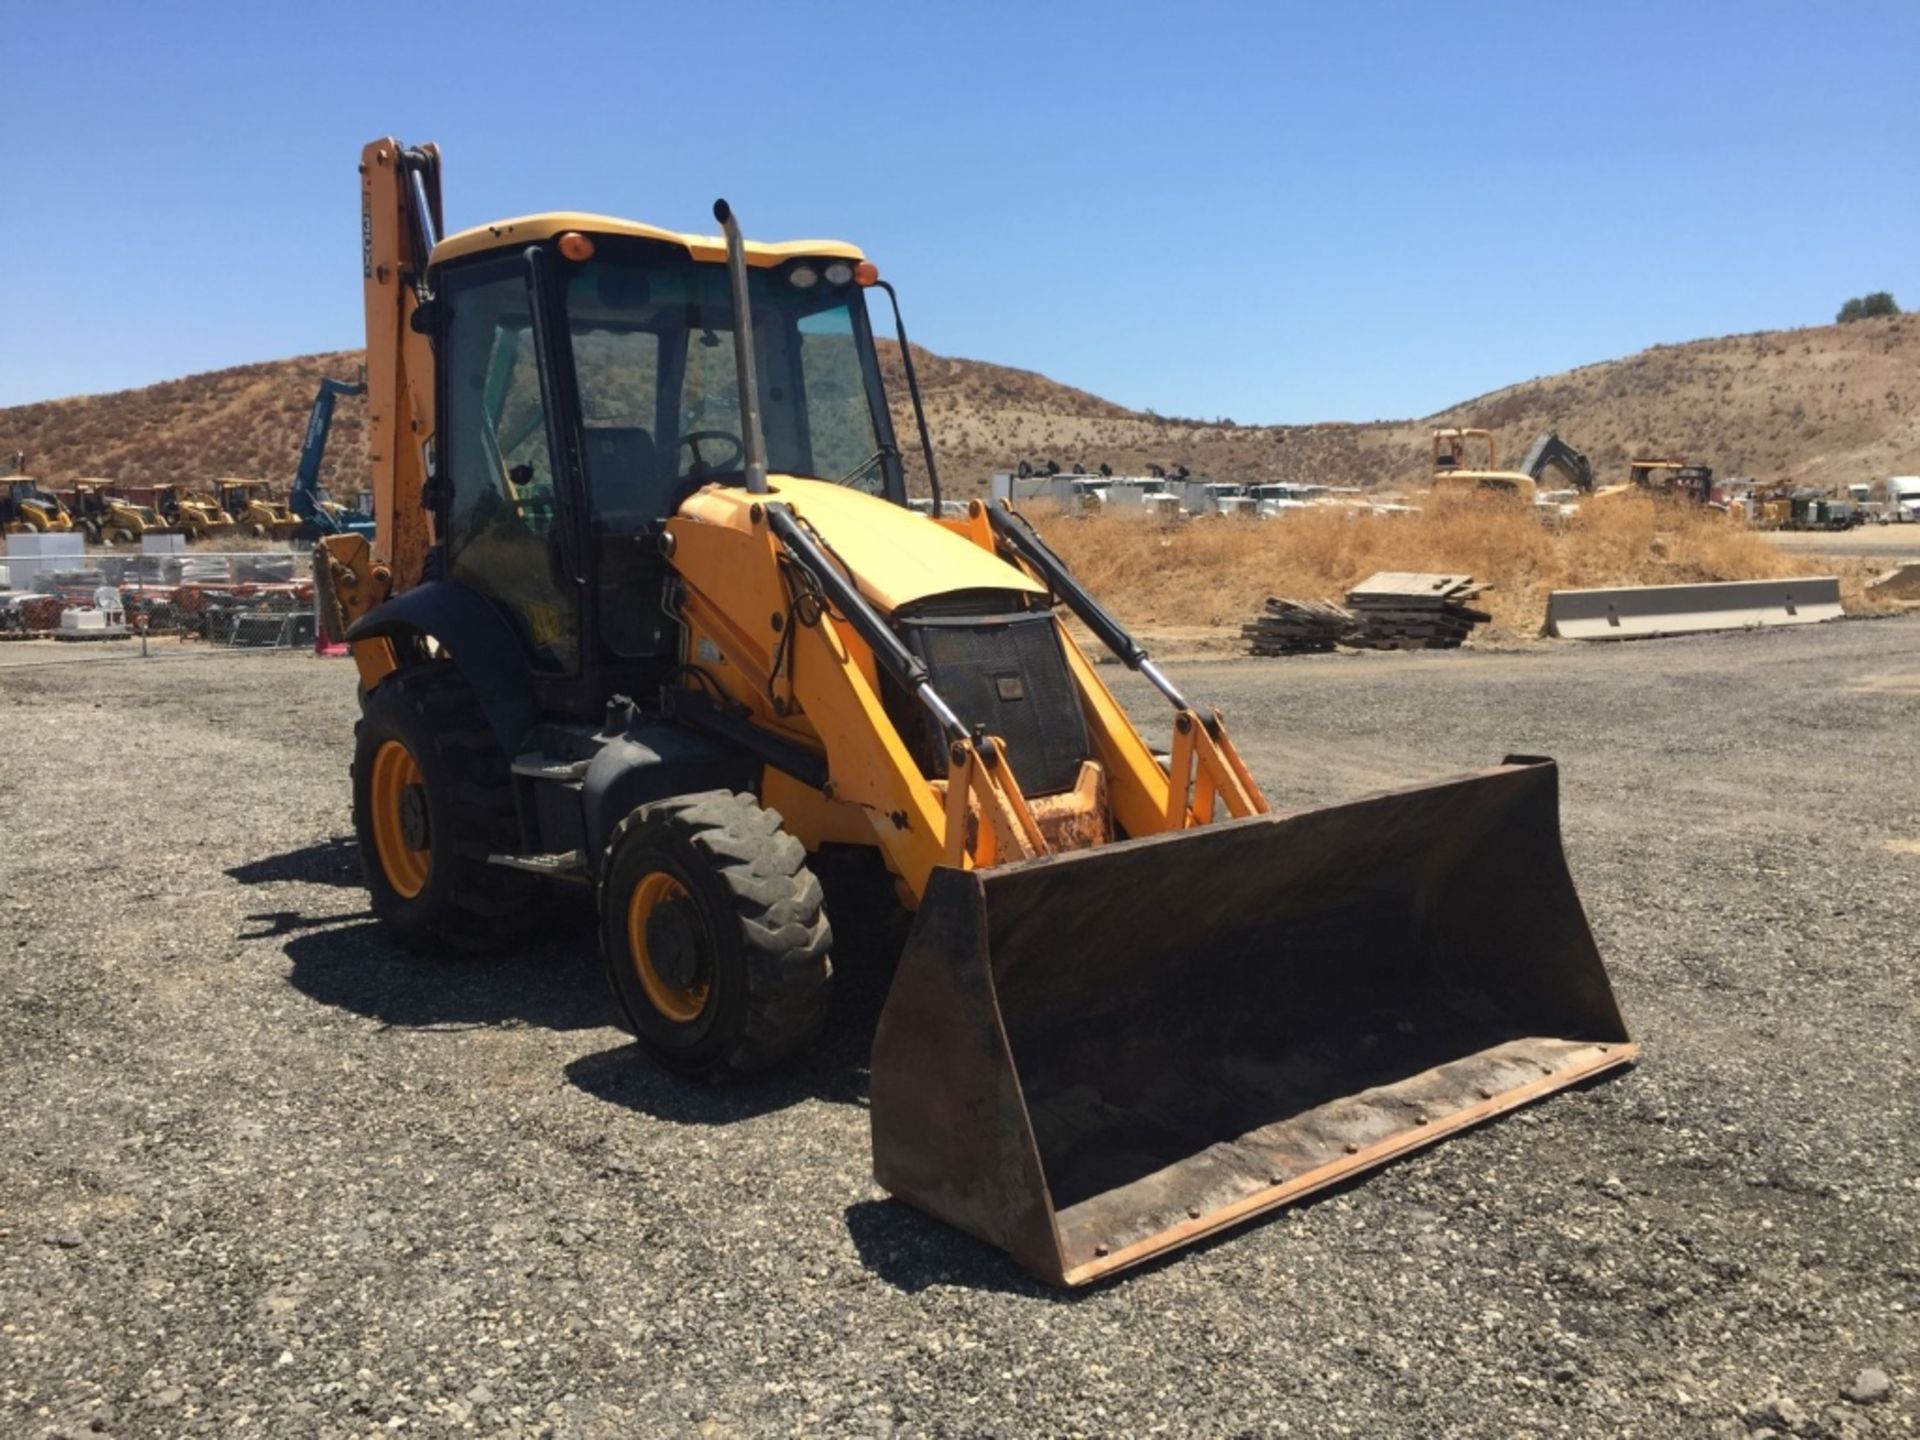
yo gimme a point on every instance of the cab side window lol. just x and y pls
(493, 439)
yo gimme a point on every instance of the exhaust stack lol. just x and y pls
(752, 438)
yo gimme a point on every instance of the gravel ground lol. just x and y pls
(1887, 542)
(261, 1173)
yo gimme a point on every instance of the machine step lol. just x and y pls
(567, 865)
(535, 766)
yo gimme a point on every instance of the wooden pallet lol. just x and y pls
(1399, 610)
(1296, 627)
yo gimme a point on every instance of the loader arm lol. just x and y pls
(813, 684)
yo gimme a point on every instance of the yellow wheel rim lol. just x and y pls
(394, 786)
(680, 1004)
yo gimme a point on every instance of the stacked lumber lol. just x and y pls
(1398, 610)
(1296, 627)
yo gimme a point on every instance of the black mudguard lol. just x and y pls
(653, 761)
(481, 641)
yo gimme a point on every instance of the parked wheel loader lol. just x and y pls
(254, 510)
(647, 617)
(198, 517)
(29, 508)
(109, 517)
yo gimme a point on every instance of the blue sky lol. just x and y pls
(1247, 210)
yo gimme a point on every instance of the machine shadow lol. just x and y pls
(914, 1252)
(347, 960)
(331, 862)
(834, 1068)
(554, 983)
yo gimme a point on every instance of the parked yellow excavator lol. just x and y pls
(647, 614)
(1456, 451)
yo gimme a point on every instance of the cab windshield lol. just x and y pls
(652, 337)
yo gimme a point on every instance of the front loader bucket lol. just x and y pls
(1093, 1058)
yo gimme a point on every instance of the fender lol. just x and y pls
(654, 760)
(468, 626)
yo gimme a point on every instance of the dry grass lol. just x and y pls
(1217, 572)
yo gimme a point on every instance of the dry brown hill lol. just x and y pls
(249, 420)
(1824, 405)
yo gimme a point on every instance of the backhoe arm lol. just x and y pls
(1550, 452)
(303, 499)
(399, 225)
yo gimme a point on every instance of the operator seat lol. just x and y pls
(630, 497)
(623, 475)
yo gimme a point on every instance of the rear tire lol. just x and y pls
(715, 934)
(432, 798)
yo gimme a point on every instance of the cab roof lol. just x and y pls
(526, 229)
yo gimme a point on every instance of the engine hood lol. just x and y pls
(896, 556)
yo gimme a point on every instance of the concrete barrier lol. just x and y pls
(1636, 612)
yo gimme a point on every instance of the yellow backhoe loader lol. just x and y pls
(198, 517)
(255, 511)
(110, 518)
(28, 508)
(647, 613)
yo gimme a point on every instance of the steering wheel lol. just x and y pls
(701, 465)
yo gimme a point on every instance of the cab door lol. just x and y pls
(502, 482)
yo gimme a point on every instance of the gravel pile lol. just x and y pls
(261, 1173)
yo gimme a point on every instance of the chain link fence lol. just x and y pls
(236, 599)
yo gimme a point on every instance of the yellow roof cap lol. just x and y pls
(527, 229)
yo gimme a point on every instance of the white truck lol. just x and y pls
(1903, 500)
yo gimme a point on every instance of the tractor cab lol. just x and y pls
(589, 386)
(235, 495)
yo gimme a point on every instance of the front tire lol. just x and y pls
(432, 798)
(715, 934)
